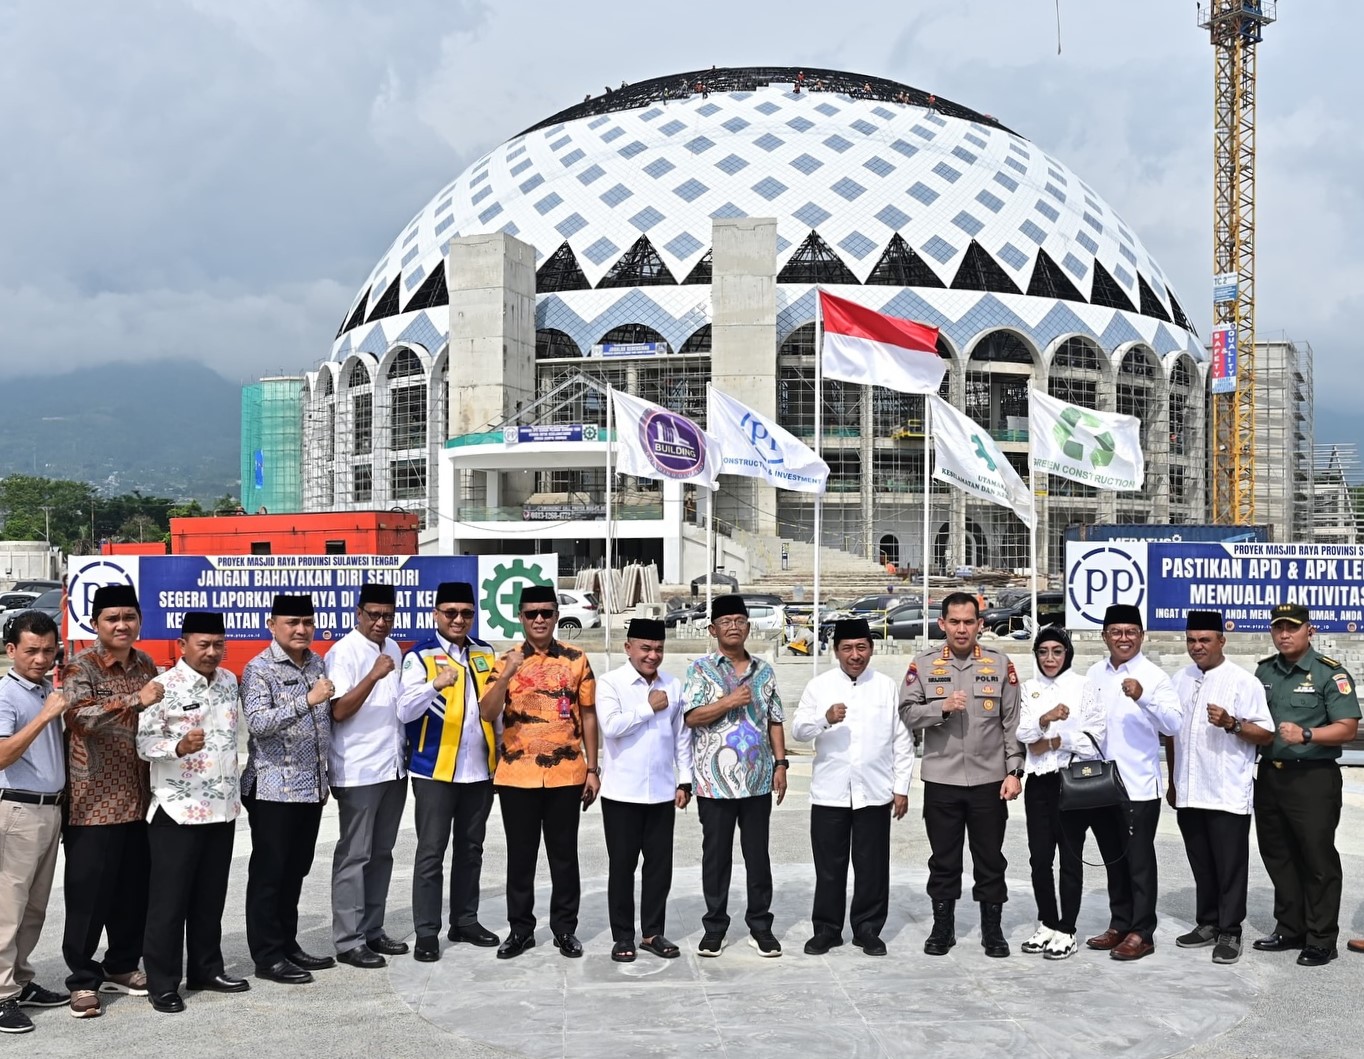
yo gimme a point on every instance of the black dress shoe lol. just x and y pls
(170, 1003)
(427, 950)
(1277, 943)
(312, 963)
(870, 944)
(568, 945)
(363, 956)
(386, 945)
(221, 983)
(285, 973)
(476, 934)
(821, 943)
(1317, 956)
(515, 945)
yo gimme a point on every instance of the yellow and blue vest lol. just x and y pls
(434, 737)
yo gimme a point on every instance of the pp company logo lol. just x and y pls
(80, 592)
(1101, 576)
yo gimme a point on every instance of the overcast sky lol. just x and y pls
(215, 179)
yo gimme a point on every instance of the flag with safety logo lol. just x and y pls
(1099, 449)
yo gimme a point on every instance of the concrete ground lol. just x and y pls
(845, 1004)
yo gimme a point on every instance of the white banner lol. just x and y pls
(652, 442)
(967, 457)
(1100, 449)
(754, 445)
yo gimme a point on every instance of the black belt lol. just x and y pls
(31, 797)
(1301, 763)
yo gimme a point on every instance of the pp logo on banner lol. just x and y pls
(85, 580)
(1099, 576)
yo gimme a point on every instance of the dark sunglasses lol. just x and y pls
(546, 614)
(455, 613)
(378, 616)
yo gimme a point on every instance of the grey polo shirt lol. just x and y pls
(42, 768)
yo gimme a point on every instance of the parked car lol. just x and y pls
(578, 610)
(765, 616)
(868, 605)
(50, 603)
(36, 585)
(16, 600)
(905, 622)
(1003, 620)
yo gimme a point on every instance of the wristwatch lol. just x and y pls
(1016, 773)
(1236, 728)
(594, 771)
(684, 787)
(781, 763)
(1306, 735)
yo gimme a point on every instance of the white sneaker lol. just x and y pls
(1060, 947)
(1039, 941)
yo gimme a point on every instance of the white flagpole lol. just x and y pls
(928, 544)
(819, 497)
(1032, 547)
(606, 548)
(710, 529)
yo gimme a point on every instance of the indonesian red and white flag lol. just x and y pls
(864, 346)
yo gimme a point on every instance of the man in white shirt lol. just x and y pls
(368, 777)
(1140, 705)
(190, 739)
(864, 760)
(451, 754)
(646, 778)
(1211, 763)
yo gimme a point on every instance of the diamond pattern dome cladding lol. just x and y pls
(858, 171)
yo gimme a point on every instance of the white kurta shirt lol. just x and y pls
(1213, 768)
(645, 753)
(1040, 695)
(367, 747)
(199, 788)
(866, 758)
(1134, 728)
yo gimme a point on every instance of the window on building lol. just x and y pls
(334, 548)
(407, 417)
(553, 344)
(362, 484)
(1077, 355)
(362, 423)
(407, 479)
(358, 375)
(260, 547)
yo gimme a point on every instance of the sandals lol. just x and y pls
(623, 952)
(661, 946)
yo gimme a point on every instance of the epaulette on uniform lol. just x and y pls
(1330, 661)
(1267, 658)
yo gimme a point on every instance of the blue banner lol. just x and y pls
(1243, 581)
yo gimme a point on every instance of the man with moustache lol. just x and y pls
(646, 778)
(286, 703)
(864, 760)
(1211, 766)
(964, 698)
(190, 740)
(451, 754)
(107, 687)
(369, 778)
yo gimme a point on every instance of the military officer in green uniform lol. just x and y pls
(964, 698)
(1297, 790)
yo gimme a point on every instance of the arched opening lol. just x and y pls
(1075, 373)
(698, 342)
(998, 377)
(976, 550)
(627, 335)
(551, 343)
(1138, 376)
(361, 392)
(888, 549)
(407, 402)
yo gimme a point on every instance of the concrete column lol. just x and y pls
(743, 356)
(448, 498)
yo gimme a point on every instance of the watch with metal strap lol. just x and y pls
(1236, 728)
(1016, 773)
(594, 771)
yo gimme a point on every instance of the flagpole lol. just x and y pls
(819, 497)
(928, 544)
(710, 528)
(606, 548)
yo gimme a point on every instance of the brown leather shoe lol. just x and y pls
(1355, 944)
(1133, 947)
(1109, 939)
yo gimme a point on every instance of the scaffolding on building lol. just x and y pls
(272, 445)
(1337, 489)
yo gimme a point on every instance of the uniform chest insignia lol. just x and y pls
(1036, 694)
(1305, 688)
(989, 705)
(939, 672)
(941, 689)
(480, 663)
(987, 670)
(1343, 684)
(988, 689)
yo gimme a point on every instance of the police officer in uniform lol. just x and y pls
(1297, 790)
(964, 698)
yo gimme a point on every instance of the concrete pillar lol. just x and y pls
(743, 351)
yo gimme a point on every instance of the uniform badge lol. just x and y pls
(480, 663)
(1013, 674)
(941, 689)
(989, 705)
(1343, 684)
(1036, 694)
(912, 674)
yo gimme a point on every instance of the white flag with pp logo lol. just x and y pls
(1100, 449)
(754, 445)
(652, 442)
(967, 457)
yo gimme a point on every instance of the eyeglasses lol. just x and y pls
(379, 617)
(457, 613)
(538, 615)
(730, 623)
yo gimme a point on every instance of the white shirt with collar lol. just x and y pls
(1135, 727)
(1040, 695)
(1215, 769)
(866, 758)
(471, 762)
(367, 747)
(645, 753)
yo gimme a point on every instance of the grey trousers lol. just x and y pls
(363, 862)
(446, 810)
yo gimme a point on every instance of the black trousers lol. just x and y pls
(1109, 825)
(445, 810)
(283, 838)
(188, 889)
(719, 816)
(1218, 845)
(954, 816)
(836, 834)
(527, 813)
(632, 829)
(1142, 882)
(1296, 815)
(1042, 804)
(106, 892)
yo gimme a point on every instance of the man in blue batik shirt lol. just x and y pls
(732, 707)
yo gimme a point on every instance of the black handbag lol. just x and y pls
(1091, 784)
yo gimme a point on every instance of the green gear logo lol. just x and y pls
(1076, 428)
(501, 591)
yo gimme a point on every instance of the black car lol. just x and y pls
(905, 622)
(1002, 620)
